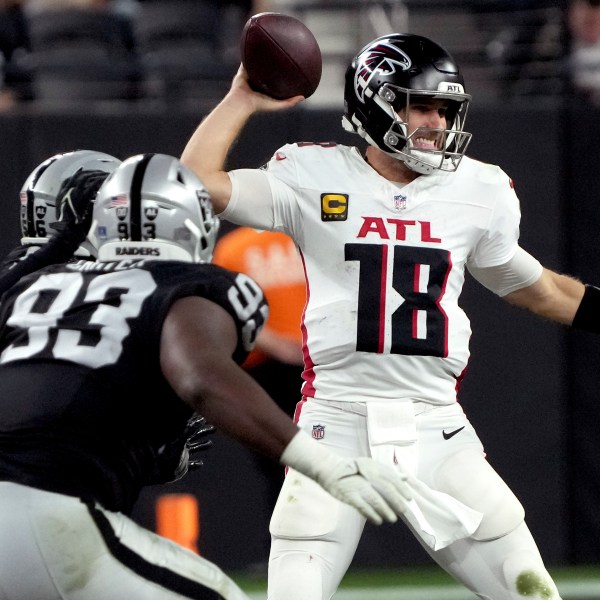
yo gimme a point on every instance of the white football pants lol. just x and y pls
(55, 547)
(314, 536)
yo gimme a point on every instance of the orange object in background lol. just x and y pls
(271, 259)
(178, 519)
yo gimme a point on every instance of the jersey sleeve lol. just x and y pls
(245, 301)
(266, 198)
(251, 202)
(521, 271)
(293, 175)
(237, 293)
(499, 241)
(286, 188)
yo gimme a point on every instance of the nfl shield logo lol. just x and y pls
(318, 432)
(399, 202)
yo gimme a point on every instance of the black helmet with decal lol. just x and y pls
(385, 77)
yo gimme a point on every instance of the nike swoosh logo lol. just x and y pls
(447, 436)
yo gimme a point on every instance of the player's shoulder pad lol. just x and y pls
(309, 156)
(310, 164)
(207, 280)
(306, 150)
(484, 173)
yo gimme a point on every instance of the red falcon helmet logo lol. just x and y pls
(384, 59)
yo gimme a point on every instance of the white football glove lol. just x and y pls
(378, 492)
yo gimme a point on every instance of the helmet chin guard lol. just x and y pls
(384, 78)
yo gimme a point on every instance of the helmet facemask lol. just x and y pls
(205, 232)
(450, 142)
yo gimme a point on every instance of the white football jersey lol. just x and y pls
(385, 267)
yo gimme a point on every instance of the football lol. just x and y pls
(281, 55)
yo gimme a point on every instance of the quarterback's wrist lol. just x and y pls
(305, 455)
(587, 317)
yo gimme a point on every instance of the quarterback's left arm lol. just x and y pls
(523, 281)
(553, 296)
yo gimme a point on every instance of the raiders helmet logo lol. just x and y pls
(150, 212)
(375, 61)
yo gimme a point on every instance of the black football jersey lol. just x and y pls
(22, 260)
(17, 263)
(84, 406)
(17, 254)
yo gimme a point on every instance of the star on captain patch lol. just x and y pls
(318, 432)
(399, 202)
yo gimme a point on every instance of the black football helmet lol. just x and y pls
(384, 78)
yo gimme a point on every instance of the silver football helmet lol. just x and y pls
(154, 207)
(38, 195)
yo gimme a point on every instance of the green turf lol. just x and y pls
(425, 576)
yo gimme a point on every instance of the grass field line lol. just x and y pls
(570, 590)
